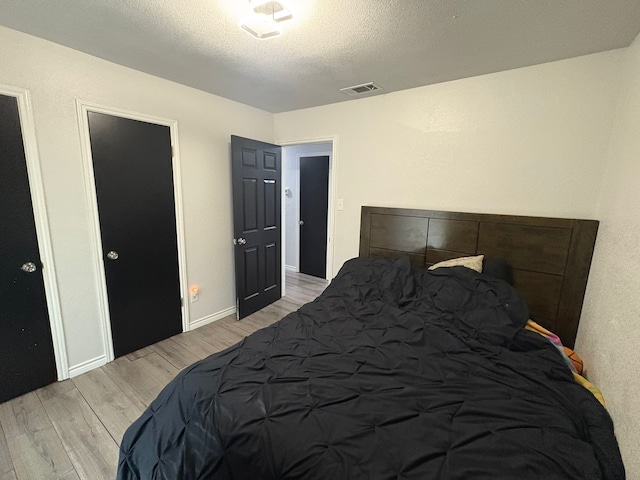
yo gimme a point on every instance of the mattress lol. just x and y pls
(389, 374)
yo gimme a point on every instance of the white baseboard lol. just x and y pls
(212, 318)
(84, 367)
(291, 268)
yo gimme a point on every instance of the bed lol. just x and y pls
(399, 372)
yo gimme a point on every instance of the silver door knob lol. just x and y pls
(112, 255)
(239, 241)
(29, 267)
(301, 222)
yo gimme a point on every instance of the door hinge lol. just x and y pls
(182, 302)
(173, 152)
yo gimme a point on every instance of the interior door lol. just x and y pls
(27, 360)
(256, 173)
(132, 163)
(314, 207)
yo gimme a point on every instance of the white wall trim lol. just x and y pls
(283, 228)
(84, 367)
(291, 268)
(89, 179)
(201, 322)
(180, 235)
(42, 226)
(333, 189)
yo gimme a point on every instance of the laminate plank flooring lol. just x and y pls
(71, 430)
(115, 410)
(92, 450)
(141, 380)
(34, 445)
(70, 476)
(6, 465)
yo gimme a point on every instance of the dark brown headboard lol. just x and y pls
(550, 257)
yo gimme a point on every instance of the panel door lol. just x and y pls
(314, 206)
(256, 173)
(27, 360)
(132, 162)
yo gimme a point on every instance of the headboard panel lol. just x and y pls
(550, 257)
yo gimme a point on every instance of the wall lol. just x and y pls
(545, 140)
(608, 334)
(56, 76)
(529, 141)
(291, 179)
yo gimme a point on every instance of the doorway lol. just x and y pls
(261, 160)
(30, 329)
(133, 177)
(296, 207)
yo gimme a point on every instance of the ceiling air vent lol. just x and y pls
(360, 89)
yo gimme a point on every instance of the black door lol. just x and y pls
(27, 360)
(314, 205)
(256, 171)
(133, 171)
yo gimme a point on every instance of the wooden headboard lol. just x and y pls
(550, 257)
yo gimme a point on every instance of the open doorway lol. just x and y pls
(307, 208)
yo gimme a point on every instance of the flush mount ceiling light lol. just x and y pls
(276, 10)
(261, 28)
(264, 19)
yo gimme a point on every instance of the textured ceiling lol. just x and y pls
(329, 44)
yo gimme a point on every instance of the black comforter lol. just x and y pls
(389, 374)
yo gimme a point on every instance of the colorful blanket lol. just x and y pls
(555, 340)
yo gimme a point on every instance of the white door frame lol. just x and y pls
(333, 167)
(83, 108)
(42, 226)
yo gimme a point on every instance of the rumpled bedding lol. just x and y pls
(556, 342)
(389, 374)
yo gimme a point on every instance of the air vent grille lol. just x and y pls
(360, 89)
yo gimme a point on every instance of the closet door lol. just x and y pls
(314, 213)
(133, 170)
(27, 359)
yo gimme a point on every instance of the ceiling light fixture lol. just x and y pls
(264, 19)
(276, 10)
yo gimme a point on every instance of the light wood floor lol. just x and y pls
(72, 429)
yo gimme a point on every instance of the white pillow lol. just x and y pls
(474, 263)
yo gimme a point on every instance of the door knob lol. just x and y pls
(239, 241)
(301, 222)
(29, 267)
(112, 255)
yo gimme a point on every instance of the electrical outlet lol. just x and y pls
(194, 293)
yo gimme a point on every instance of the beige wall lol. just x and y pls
(534, 141)
(608, 336)
(56, 76)
(529, 141)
